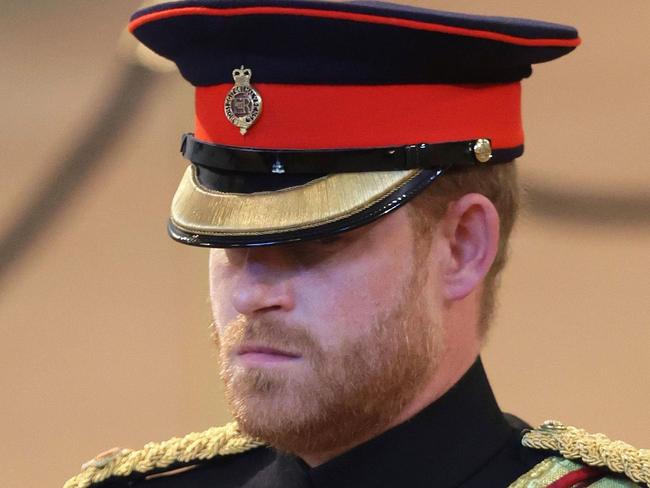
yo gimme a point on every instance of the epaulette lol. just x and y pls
(158, 456)
(587, 460)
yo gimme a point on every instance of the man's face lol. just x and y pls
(323, 343)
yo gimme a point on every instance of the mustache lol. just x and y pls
(269, 332)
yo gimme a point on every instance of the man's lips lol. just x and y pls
(260, 353)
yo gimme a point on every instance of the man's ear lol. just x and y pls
(470, 233)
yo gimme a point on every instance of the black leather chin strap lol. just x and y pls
(449, 155)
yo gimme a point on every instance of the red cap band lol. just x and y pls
(343, 116)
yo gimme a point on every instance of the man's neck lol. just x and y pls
(448, 373)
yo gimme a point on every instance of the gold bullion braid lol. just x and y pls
(197, 446)
(591, 449)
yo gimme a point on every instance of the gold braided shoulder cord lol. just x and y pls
(217, 441)
(591, 449)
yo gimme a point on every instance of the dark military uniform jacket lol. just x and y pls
(462, 440)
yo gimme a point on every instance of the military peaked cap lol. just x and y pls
(313, 118)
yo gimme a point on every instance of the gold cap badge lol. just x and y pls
(243, 103)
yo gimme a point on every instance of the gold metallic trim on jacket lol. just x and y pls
(591, 449)
(197, 446)
(199, 210)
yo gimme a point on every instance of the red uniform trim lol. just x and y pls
(351, 116)
(583, 474)
(372, 19)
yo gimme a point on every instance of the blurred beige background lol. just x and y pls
(104, 320)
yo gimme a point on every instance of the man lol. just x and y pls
(352, 169)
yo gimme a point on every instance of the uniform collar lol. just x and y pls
(441, 446)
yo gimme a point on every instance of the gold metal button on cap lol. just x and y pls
(483, 150)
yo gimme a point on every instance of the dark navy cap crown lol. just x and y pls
(297, 41)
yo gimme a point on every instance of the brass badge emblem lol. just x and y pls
(243, 104)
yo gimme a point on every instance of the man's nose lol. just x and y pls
(263, 282)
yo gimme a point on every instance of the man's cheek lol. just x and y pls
(223, 311)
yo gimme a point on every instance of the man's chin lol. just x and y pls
(264, 393)
(272, 416)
